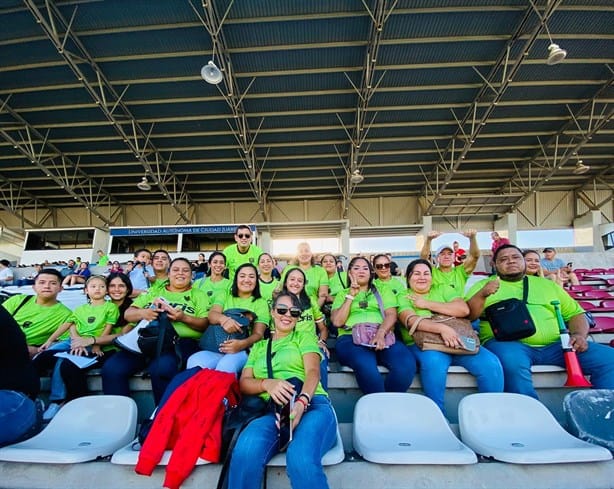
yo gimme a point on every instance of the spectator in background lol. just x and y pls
(394, 266)
(142, 274)
(497, 242)
(460, 255)
(115, 267)
(6, 273)
(80, 276)
(532, 262)
(103, 259)
(243, 251)
(555, 269)
(200, 267)
(29, 280)
(68, 269)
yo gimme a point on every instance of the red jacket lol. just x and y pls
(190, 423)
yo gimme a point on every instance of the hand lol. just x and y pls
(96, 350)
(450, 337)
(44, 346)
(297, 414)
(490, 288)
(232, 346)
(433, 234)
(418, 302)
(378, 340)
(175, 313)
(281, 391)
(354, 287)
(469, 233)
(81, 342)
(230, 325)
(578, 343)
(324, 348)
(149, 314)
(79, 351)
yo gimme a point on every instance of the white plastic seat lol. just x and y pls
(519, 429)
(334, 456)
(84, 429)
(129, 455)
(402, 428)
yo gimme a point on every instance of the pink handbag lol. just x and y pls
(363, 333)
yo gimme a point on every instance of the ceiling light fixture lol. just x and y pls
(555, 53)
(144, 184)
(356, 177)
(580, 168)
(211, 73)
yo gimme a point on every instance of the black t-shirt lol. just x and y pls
(16, 370)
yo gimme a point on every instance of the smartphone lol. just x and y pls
(469, 344)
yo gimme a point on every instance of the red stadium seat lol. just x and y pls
(605, 306)
(581, 270)
(605, 324)
(598, 270)
(597, 294)
(580, 288)
(587, 306)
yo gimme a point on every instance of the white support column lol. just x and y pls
(264, 240)
(344, 237)
(507, 226)
(427, 227)
(587, 232)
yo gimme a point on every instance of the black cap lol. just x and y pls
(549, 248)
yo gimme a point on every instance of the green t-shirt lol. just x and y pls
(90, 320)
(259, 307)
(307, 321)
(36, 321)
(369, 312)
(234, 258)
(395, 284)
(337, 282)
(193, 302)
(287, 358)
(159, 283)
(456, 278)
(436, 294)
(266, 290)
(212, 288)
(541, 292)
(104, 259)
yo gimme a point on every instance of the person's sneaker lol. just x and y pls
(51, 411)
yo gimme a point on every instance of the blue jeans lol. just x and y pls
(484, 365)
(258, 443)
(223, 362)
(116, 372)
(19, 418)
(517, 358)
(400, 362)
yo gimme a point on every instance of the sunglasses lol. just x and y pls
(382, 266)
(295, 312)
(244, 236)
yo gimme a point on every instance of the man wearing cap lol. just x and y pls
(446, 273)
(243, 251)
(555, 269)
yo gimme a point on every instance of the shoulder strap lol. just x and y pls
(525, 289)
(21, 304)
(379, 301)
(269, 358)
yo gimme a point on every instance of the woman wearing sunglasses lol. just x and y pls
(312, 417)
(311, 321)
(381, 265)
(244, 294)
(358, 303)
(422, 301)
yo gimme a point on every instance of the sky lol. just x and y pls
(534, 239)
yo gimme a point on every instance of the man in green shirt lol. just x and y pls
(103, 260)
(446, 273)
(543, 347)
(40, 315)
(243, 251)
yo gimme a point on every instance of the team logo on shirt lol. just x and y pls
(251, 260)
(91, 319)
(209, 293)
(27, 324)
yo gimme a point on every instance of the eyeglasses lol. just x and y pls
(382, 266)
(295, 312)
(244, 236)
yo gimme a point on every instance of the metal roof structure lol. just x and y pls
(449, 100)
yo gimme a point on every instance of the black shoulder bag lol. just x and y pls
(158, 337)
(510, 319)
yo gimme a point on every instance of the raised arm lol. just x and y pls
(474, 251)
(426, 248)
(476, 303)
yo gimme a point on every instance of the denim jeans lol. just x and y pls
(398, 359)
(228, 362)
(324, 370)
(517, 358)
(116, 372)
(19, 418)
(484, 365)
(258, 443)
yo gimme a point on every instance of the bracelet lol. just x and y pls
(303, 402)
(306, 396)
(93, 338)
(349, 297)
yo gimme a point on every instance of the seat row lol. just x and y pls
(388, 428)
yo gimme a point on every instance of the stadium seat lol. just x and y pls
(519, 429)
(580, 288)
(598, 270)
(606, 305)
(596, 294)
(334, 456)
(581, 270)
(84, 429)
(403, 428)
(605, 324)
(587, 306)
(589, 416)
(129, 455)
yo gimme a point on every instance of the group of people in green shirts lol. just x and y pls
(301, 309)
